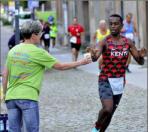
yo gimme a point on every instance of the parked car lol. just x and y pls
(23, 16)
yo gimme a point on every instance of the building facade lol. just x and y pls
(89, 12)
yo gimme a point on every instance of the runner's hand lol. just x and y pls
(90, 50)
(93, 52)
(143, 52)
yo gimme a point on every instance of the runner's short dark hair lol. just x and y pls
(75, 18)
(117, 15)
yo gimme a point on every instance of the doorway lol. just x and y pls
(86, 20)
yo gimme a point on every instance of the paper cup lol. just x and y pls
(87, 55)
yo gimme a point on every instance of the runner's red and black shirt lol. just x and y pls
(114, 58)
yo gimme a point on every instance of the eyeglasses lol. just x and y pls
(40, 34)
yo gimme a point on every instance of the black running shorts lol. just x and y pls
(105, 90)
(76, 46)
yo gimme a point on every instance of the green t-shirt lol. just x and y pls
(26, 64)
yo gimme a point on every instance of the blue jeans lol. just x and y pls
(19, 110)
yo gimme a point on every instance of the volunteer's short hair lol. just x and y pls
(30, 27)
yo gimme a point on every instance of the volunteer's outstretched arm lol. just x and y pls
(65, 66)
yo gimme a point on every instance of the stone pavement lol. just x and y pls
(69, 102)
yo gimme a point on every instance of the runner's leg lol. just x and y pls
(106, 97)
(47, 44)
(116, 100)
(53, 42)
(73, 54)
(77, 47)
(104, 113)
(76, 54)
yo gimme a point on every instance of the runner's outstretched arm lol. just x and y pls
(137, 54)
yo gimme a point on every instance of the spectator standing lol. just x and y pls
(46, 36)
(22, 77)
(129, 30)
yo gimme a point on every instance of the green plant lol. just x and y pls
(44, 15)
(5, 21)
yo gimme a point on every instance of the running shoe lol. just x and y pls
(95, 130)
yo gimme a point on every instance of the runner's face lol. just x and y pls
(115, 25)
(75, 21)
(128, 19)
(103, 26)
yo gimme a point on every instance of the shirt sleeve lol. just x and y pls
(7, 62)
(45, 59)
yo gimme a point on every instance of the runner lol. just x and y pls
(46, 36)
(129, 30)
(12, 42)
(23, 75)
(53, 33)
(100, 34)
(115, 50)
(75, 31)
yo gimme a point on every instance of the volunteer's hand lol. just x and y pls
(86, 60)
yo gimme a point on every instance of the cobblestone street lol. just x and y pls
(69, 102)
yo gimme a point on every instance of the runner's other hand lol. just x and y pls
(143, 52)
(90, 50)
